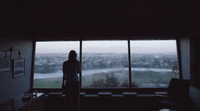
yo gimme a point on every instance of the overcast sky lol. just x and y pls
(139, 46)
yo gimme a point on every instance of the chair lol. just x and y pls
(177, 94)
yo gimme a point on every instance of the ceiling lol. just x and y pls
(100, 17)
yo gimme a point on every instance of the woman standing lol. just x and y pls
(70, 85)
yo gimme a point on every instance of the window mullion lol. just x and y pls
(179, 58)
(80, 76)
(129, 59)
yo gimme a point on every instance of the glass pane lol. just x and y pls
(49, 58)
(153, 62)
(105, 64)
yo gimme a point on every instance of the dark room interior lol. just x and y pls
(25, 24)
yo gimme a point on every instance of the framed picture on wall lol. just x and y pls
(18, 67)
(5, 61)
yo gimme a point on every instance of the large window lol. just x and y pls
(105, 64)
(109, 63)
(49, 58)
(153, 62)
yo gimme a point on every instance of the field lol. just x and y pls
(140, 79)
(50, 63)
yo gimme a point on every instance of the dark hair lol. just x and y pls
(72, 55)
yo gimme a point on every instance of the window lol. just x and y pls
(49, 58)
(109, 63)
(153, 62)
(105, 64)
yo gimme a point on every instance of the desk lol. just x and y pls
(35, 103)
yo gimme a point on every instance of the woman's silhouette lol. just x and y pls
(70, 84)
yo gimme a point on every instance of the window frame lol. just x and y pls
(148, 89)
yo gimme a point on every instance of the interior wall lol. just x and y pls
(192, 29)
(14, 33)
(185, 57)
(195, 71)
(190, 67)
(9, 86)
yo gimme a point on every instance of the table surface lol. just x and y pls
(17, 102)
